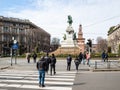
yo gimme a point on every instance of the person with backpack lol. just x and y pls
(69, 59)
(52, 64)
(41, 67)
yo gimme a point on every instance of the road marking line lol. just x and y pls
(60, 81)
(36, 82)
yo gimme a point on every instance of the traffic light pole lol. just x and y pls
(14, 48)
(89, 43)
(15, 56)
(11, 56)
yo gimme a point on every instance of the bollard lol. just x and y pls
(95, 64)
(108, 65)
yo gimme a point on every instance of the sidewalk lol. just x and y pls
(6, 63)
(21, 64)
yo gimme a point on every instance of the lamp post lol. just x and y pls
(11, 56)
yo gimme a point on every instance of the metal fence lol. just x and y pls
(107, 65)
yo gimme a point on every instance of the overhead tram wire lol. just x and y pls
(95, 33)
(98, 22)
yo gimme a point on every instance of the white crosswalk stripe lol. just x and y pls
(22, 80)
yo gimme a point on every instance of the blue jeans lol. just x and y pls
(41, 77)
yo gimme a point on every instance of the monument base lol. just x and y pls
(67, 50)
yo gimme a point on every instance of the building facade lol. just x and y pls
(29, 36)
(114, 38)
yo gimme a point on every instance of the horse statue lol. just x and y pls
(70, 20)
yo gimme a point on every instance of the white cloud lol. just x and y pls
(51, 15)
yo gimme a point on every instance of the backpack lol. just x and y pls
(41, 65)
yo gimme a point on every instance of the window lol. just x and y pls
(22, 31)
(14, 30)
(6, 29)
(6, 38)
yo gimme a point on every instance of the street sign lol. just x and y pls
(15, 46)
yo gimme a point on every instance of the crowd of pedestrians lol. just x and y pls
(82, 57)
(29, 55)
(48, 63)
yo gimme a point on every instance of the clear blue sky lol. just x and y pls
(96, 16)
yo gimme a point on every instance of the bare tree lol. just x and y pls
(55, 43)
(101, 44)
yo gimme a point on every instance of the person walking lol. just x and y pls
(76, 61)
(106, 56)
(88, 58)
(47, 59)
(52, 64)
(28, 57)
(103, 56)
(69, 59)
(84, 58)
(80, 57)
(41, 67)
(34, 57)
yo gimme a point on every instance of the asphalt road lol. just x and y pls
(84, 79)
(97, 81)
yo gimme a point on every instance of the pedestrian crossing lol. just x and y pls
(24, 80)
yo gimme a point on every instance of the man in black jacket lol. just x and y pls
(52, 64)
(41, 66)
(69, 59)
(47, 59)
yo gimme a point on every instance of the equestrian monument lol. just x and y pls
(69, 43)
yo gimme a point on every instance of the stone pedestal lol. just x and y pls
(67, 50)
(69, 42)
(68, 45)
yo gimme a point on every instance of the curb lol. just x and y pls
(4, 67)
(101, 70)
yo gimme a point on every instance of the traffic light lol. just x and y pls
(89, 43)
